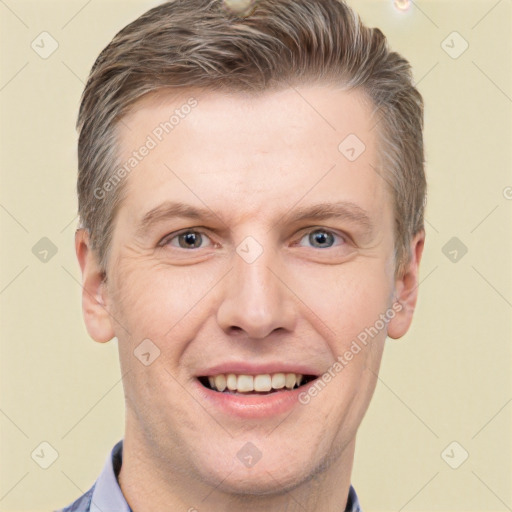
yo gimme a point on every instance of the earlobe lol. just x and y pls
(406, 290)
(94, 291)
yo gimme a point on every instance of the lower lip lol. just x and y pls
(252, 405)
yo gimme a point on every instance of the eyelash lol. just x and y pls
(168, 238)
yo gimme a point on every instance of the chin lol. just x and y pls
(266, 477)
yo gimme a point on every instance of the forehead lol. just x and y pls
(245, 154)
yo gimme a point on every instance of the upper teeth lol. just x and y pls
(248, 383)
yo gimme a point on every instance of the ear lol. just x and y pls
(406, 290)
(94, 290)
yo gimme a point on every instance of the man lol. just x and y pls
(251, 192)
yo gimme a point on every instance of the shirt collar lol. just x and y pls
(353, 501)
(107, 495)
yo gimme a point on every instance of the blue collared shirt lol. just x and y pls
(106, 495)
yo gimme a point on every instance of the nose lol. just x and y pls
(255, 299)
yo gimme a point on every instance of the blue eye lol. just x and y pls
(321, 238)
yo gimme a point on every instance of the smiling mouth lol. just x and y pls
(263, 384)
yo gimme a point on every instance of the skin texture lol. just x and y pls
(250, 160)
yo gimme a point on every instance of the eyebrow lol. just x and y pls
(344, 210)
(170, 210)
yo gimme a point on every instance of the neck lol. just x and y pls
(152, 484)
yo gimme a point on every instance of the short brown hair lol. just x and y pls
(273, 44)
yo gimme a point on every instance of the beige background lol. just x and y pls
(448, 380)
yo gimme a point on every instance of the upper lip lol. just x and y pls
(246, 368)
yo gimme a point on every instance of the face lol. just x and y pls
(250, 253)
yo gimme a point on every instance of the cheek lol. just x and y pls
(153, 300)
(346, 300)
